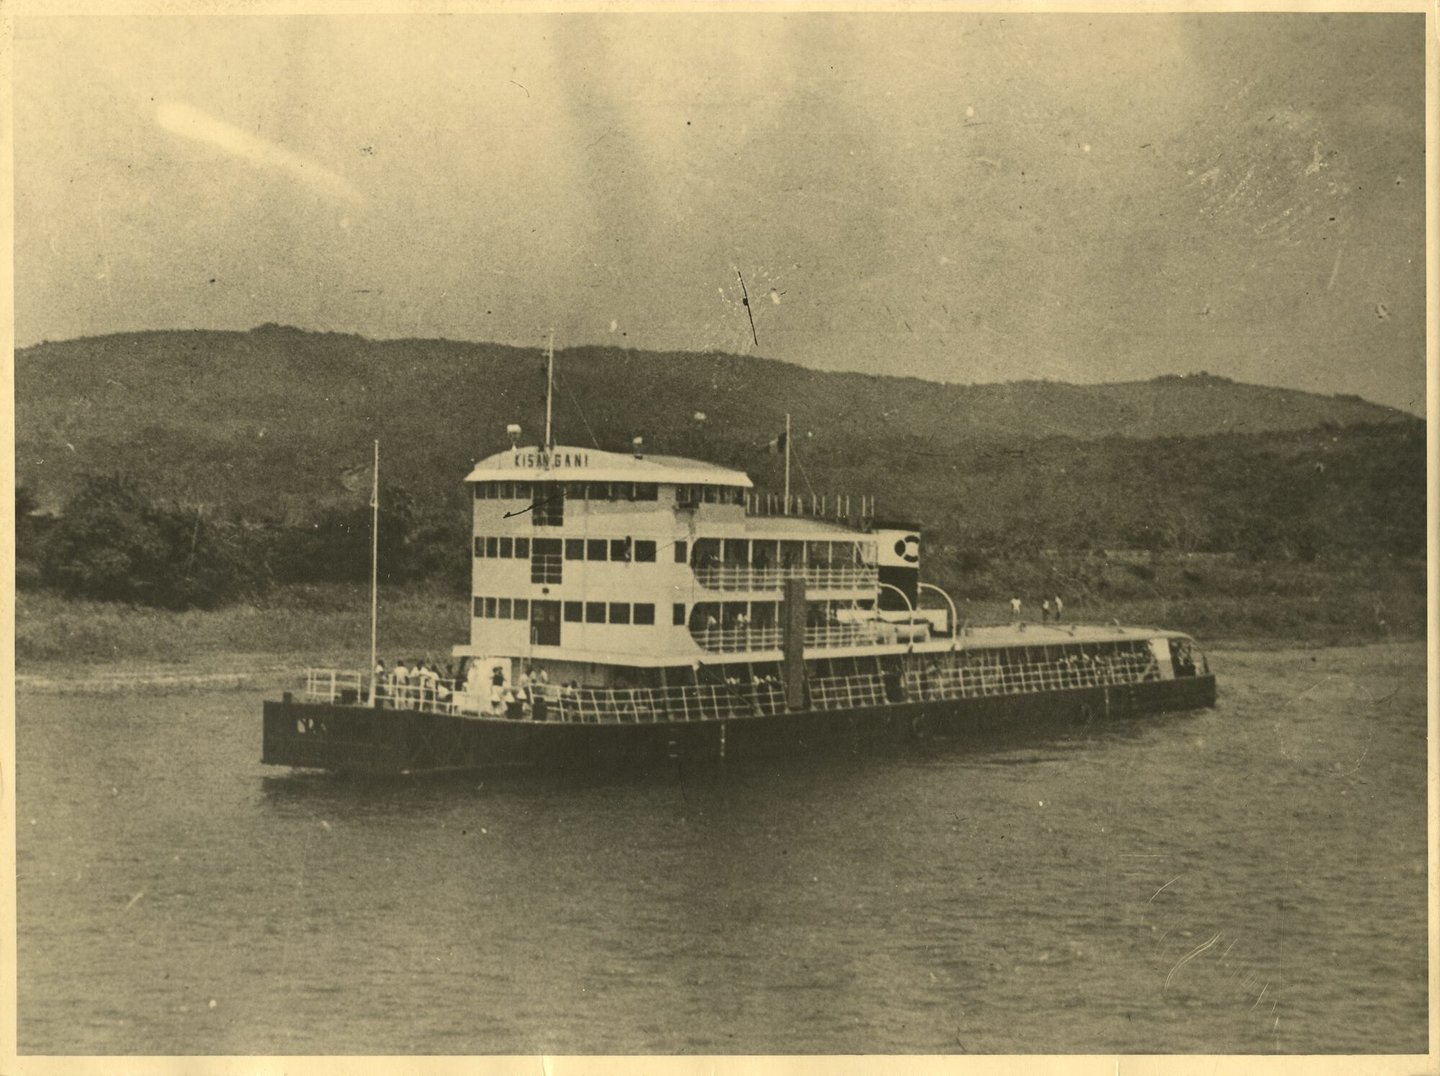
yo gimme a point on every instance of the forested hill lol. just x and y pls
(271, 416)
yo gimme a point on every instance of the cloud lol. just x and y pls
(189, 122)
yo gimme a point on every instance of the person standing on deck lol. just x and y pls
(1015, 609)
(1059, 608)
(377, 685)
(1045, 611)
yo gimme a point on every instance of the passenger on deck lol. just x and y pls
(1059, 608)
(1015, 609)
(428, 681)
(1045, 611)
(379, 685)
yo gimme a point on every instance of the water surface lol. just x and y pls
(1247, 879)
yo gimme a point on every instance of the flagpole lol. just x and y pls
(374, 565)
(787, 463)
(549, 389)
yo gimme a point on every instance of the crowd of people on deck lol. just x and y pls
(425, 685)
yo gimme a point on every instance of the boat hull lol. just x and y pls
(357, 739)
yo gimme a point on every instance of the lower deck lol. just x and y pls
(364, 739)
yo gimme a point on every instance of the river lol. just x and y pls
(1248, 879)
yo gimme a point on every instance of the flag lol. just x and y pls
(360, 481)
(356, 479)
(777, 445)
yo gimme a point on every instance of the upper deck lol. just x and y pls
(607, 557)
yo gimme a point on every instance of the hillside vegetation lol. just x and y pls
(269, 418)
(241, 442)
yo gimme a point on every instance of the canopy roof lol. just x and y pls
(568, 463)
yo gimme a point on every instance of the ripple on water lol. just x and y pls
(1172, 884)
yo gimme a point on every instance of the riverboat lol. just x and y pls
(631, 609)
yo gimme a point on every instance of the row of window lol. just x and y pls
(687, 496)
(562, 491)
(642, 613)
(559, 492)
(621, 550)
(709, 552)
(787, 553)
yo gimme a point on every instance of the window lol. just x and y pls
(644, 613)
(522, 548)
(620, 549)
(549, 510)
(479, 547)
(522, 491)
(644, 551)
(522, 609)
(647, 491)
(479, 606)
(489, 606)
(680, 552)
(504, 613)
(574, 548)
(595, 549)
(575, 491)
(598, 491)
(572, 612)
(505, 490)
(594, 612)
(677, 614)
(507, 547)
(619, 612)
(479, 491)
(492, 547)
(545, 563)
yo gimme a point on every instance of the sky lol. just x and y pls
(963, 197)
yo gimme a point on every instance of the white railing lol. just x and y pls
(864, 633)
(748, 577)
(334, 685)
(967, 676)
(842, 506)
(846, 692)
(953, 675)
(738, 640)
(694, 702)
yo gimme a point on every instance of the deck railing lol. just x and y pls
(739, 640)
(855, 510)
(957, 675)
(696, 702)
(334, 685)
(755, 577)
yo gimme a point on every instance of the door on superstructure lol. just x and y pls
(545, 623)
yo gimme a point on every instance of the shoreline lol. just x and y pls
(271, 672)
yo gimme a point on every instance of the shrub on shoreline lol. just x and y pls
(1304, 604)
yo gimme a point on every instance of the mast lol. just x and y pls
(549, 391)
(374, 563)
(787, 463)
